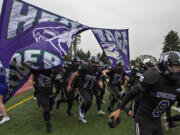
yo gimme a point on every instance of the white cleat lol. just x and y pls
(83, 120)
(4, 120)
(101, 112)
(81, 115)
(103, 102)
(34, 98)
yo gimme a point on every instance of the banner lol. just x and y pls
(32, 38)
(17, 27)
(115, 44)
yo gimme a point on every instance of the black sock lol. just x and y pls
(69, 107)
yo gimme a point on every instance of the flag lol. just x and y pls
(115, 44)
(32, 38)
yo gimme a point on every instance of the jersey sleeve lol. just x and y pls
(147, 84)
(151, 77)
(130, 95)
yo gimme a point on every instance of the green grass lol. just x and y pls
(27, 119)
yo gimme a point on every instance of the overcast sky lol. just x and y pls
(148, 21)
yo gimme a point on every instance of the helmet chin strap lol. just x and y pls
(168, 71)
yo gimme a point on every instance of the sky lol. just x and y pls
(148, 21)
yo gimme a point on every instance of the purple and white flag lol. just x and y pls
(18, 27)
(32, 38)
(115, 44)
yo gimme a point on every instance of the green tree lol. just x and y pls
(88, 55)
(82, 55)
(76, 41)
(99, 55)
(102, 57)
(171, 42)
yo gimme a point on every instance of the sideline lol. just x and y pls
(19, 103)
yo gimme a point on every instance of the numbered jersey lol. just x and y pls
(44, 79)
(116, 76)
(89, 76)
(157, 98)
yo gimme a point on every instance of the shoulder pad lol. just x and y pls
(151, 77)
(82, 66)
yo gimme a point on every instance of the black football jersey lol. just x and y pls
(158, 98)
(158, 94)
(44, 79)
(116, 75)
(89, 75)
(136, 76)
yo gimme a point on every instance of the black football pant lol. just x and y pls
(96, 92)
(148, 128)
(46, 102)
(70, 98)
(45, 99)
(115, 91)
(87, 97)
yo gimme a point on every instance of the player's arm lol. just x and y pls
(150, 79)
(104, 72)
(100, 83)
(130, 95)
(71, 80)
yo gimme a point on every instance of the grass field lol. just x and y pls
(27, 119)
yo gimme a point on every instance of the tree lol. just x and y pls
(171, 42)
(88, 54)
(102, 57)
(82, 55)
(99, 56)
(75, 42)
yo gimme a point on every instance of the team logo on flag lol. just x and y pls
(45, 33)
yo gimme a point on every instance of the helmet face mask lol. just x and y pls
(169, 62)
(76, 60)
(148, 63)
